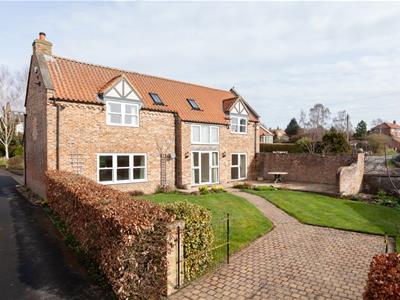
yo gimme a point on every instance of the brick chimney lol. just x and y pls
(40, 45)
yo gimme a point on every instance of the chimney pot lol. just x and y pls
(42, 36)
(394, 121)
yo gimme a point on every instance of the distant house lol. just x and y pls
(280, 135)
(387, 128)
(266, 136)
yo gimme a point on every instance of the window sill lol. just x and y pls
(122, 125)
(122, 182)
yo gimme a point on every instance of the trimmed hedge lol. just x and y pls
(127, 239)
(198, 236)
(384, 277)
(291, 148)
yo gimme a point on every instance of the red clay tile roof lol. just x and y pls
(81, 82)
(387, 125)
(393, 125)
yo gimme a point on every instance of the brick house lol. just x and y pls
(387, 128)
(266, 136)
(132, 131)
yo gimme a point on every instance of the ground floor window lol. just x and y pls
(121, 168)
(205, 167)
(238, 166)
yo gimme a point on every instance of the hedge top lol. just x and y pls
(133, 214)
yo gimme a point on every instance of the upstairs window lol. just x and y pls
(239, 125)
(156, 99)
(122, 114)
(205, 134)
(193, 104)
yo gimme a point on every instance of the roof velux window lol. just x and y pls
(156, 99)
(193, 104)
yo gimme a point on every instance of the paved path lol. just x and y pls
(34, 261)
(292, 261)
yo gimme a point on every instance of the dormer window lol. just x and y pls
(123, 103)
(239, 118)
(156, 99)
(193, 104)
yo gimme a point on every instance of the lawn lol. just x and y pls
(247, 223)
(332, 212)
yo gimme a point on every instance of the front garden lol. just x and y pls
(315, 209)
(247, 223)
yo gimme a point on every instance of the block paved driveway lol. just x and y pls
(292, 261)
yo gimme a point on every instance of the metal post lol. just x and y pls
(227, 238)
(179, 256)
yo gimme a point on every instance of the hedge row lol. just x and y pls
(384, 277)
(127, 238)
(198, 236)
(291, 148)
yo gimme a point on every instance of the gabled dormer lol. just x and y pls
(122, 101)
(239, 113)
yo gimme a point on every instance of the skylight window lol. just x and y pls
(156, 99)
(193, 104)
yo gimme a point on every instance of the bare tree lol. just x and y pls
(13, 87)
(319, 116)
(302, 119)
(8, 121)
(376, 122)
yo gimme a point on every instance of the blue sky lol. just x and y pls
(282, 57)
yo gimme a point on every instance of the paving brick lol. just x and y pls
(293, 261)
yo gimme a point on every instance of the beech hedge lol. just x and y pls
(198, 236)
(127, 239)
(384, 278)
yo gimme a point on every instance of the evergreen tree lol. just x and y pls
(361, 129)
(292, 128)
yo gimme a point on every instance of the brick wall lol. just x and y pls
(311, 168)
(84, 134)
(35, 135)
(372, 184)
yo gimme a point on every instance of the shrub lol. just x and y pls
(290, 148)
(244, 185)
(3, 162)
(17, 150)
(198, 236)
(384, 277)
(336, 142)
(217, 189)
(162, 189)
(127, 239)
(203, 190)
(387, 200)
(16, 163)
(136, 193)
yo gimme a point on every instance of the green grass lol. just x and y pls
(337, 213)
(398, 244)
(247, 223)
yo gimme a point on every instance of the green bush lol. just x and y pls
(387, 200)
(203, 190)
(17, 150)
(336, 142)
(290, 148)
(198, 236)
(244, 185)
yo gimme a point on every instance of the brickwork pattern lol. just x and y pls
(313, 168)
(293, 261)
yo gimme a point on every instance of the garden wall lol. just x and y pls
(351, 177)
(303, 167)
(374, 183)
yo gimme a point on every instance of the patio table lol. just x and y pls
(278, 176)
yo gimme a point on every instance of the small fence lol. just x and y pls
(220, 251)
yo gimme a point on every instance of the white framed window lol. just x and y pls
(121, 168)
(204, 134)
(205, 167)
(238, 166)
(238, 125)
(122, 113)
